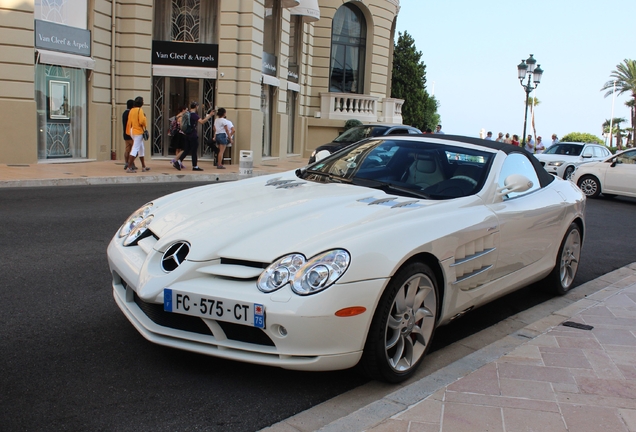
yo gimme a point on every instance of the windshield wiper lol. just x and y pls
(330, 177)
(386, 187)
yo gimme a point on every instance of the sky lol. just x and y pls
(471, 50)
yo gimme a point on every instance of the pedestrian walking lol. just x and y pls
(137, 125)
(177, 136)
(192, 137)
(515, 141)
(128, 141)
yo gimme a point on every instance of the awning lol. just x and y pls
(309, 10)
(293, 87)
(270, 80)
(184, 71)
(65, 59)
(284, 3)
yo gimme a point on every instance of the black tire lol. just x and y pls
(567, 262)
(403, 325)
(568, 172)
(590, 186)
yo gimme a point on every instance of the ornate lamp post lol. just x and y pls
(527, 68)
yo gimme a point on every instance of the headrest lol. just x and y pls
(425, 165)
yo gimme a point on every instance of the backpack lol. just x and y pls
(186, 126)
(174, 126)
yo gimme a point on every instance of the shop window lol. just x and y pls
(60, 96)
(186, 21)
(348, 45)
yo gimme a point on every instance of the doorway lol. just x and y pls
(170, 93)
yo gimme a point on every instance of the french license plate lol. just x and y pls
(251, 314)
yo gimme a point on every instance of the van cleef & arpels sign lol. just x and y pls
(185, 54)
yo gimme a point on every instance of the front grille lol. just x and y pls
(193, 324)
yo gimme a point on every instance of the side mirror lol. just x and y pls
(322, 154)
(586, 156)
(614, 162)
(515, 183)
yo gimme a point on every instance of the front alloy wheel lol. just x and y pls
(403, 325)
(590, 186)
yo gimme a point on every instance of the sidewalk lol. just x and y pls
(111, 172)
(546, 377)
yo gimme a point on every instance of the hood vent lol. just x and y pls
(289, 183)
(391, 202)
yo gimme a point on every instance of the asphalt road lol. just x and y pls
(69, 359)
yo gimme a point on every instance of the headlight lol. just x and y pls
(280, 272)
(321, 272)
(135, 219)
(305, 277)
(138, 231)
(556, 163)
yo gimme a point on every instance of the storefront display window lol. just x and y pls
(60, 96)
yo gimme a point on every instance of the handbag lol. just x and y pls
(146, 135)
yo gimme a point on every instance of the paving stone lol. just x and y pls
(581, 418)
(523, 420)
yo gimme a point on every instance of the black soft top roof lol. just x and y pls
(545, 178)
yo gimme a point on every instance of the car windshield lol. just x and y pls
(358, 133)
(565, 149)
(412, 168)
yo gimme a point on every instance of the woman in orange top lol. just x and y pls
(137, 125)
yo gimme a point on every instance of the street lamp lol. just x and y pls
(534, 74)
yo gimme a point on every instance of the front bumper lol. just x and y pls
(301, 333)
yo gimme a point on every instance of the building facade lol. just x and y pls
(288, 72)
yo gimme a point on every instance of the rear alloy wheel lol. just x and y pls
(568, 173)
(403, 325)
(567, 263)
(590, 186)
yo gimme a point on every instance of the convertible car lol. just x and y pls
(353, 260)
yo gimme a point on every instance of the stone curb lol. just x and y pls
(130, 179)
(400, 400)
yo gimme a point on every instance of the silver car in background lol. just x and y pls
(561, 159)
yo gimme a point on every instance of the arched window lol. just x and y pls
(348, 44)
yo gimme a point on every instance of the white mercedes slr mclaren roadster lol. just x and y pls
(355, 259)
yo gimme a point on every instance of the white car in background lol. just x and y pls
(355, 259)
(614, 176)
(561, 159)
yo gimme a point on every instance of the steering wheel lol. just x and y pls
(466, 178)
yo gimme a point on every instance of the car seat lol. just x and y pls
(424, 172)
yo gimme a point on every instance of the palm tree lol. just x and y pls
(616, 129)
(623, 81)
(533, 102)
(632, 110)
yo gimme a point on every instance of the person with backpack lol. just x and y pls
(189, 122)
(178, 137)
